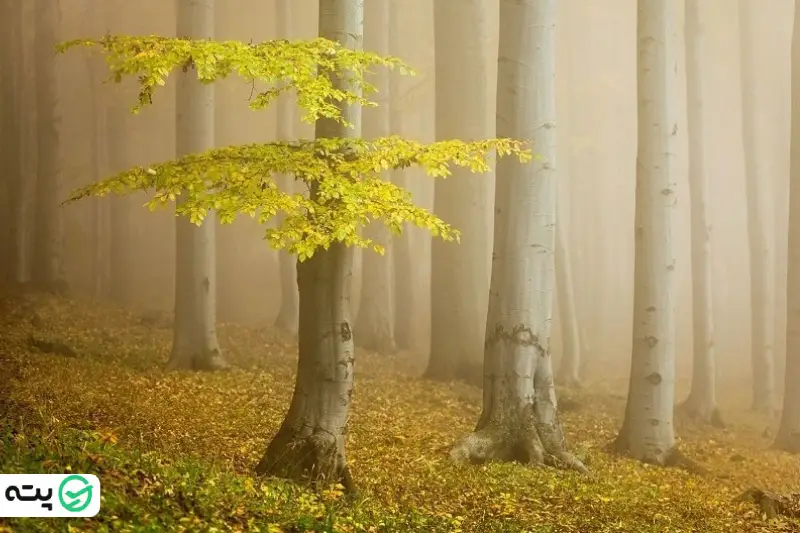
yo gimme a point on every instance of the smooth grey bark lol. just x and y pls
(195, 345)
(101, 207)
(702, 401)
(405, 305)
(287, 120)
(647, 432)
(47, 269)
(519, 420)
(375, 319)
(459, 275)
(788, 437)
(12, 117)
(310, 444)
(569, 371)
(759, 207)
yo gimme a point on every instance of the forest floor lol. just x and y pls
(175, 452)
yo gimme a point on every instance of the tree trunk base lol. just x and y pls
(380, 344)
(702, 413)
(672, 458)
(528, 446)
(316, 459)
(286, 323)
(787, 443)
(210, 361)
(568, 381)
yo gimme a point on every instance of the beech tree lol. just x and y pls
(647, 432)
(195, 345)
(702, 401)
(460, 274)
(287, 118)
(519, 418)
(343, 175)
(47, 269)
(375, 321)
(788, 437)
(762, 287)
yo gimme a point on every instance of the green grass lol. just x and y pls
(175, 452)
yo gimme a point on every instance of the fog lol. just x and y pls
(597, 138)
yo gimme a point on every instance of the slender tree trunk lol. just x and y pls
(310, 444)
(375, 320)
(647, 432)
(405, 306)
(569, 371)
(762, 289)
(101, 169)
(788, 437)
(519, 420)
(26, 112)
(702, 401)
(195, 344)
(459, 276)
(11, 42)
(287, 119)
(47, 268)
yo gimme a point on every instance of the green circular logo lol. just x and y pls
(71, 499)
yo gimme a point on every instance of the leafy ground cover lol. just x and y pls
(82, 390)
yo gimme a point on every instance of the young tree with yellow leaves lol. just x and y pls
(345, 193)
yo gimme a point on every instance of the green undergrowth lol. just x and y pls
(175, 452)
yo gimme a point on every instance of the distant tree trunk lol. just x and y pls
(310, 444)
(702, 401)
(788, 437)
(375, 320)
(195, 344)
(459, 272)
(647, 432)
(101, 169)
(404, 302)
(287, 118)
(47, 267)
(12, 44)
(762, 289)
(519, 419)
(569, 371)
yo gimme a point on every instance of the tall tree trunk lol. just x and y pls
(195, 344)
(647, 432)
(47, 267)
(459, 275)
(310, 444)
(569, 371)
(788, 437)
(101, 207)
(375, 320)
(287, 119)
(702, 401)
(519, 420)
(12, 177)
(25, 89)
(762, 289)
(405, 304)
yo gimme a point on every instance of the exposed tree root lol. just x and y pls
(535, 444)
(316, 459)
(701, 413)
(672, 458)
(210, 361)
(772, 504)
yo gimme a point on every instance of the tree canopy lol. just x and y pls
(345, 173)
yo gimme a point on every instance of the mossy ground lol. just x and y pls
(175, 452)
